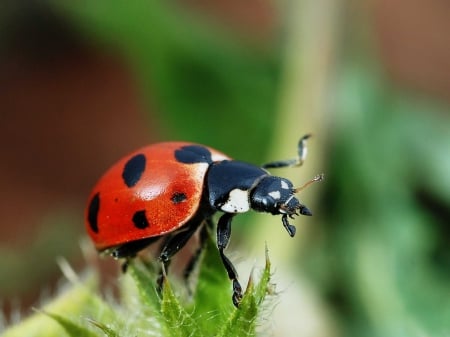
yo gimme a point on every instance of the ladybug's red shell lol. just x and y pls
(146, 194)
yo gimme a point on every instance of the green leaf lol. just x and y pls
(179, 323)
(242, 322)
(79, 299)
(106, 330)
(73, 329)
(212, 297)
(145, 284)
(264, 286)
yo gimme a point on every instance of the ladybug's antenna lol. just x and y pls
(318, 177)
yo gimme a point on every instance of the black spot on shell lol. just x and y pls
(178, 197)
(140, 220)
(94, 207)
(133, 170)
(192, 154)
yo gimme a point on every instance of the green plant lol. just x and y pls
(79, 311)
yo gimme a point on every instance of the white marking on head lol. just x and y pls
(275, 194)
(284, 185)
(218, 157)
(238, 202)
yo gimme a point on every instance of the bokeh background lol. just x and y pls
(82, 83)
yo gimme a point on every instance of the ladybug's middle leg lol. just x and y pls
(203, 237)
(223, 237)
(172, 245)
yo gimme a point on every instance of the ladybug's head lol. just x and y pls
(276, 195)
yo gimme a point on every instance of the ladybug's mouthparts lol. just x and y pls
(291, 212)
(293, 207)
(303, 210)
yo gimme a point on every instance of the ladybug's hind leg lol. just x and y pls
(129, 250)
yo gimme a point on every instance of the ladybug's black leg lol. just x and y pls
(289, 228)
(164, 266)
(172, 246)
(301, 151)
(223, 237)
(128, 251)
(204, 234)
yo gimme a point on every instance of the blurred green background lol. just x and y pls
(84, 82)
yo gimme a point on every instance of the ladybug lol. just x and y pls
(173, 189)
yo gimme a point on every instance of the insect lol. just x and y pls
(173, 189)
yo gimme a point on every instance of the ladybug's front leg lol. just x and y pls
(301, 155)
(223, 237)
